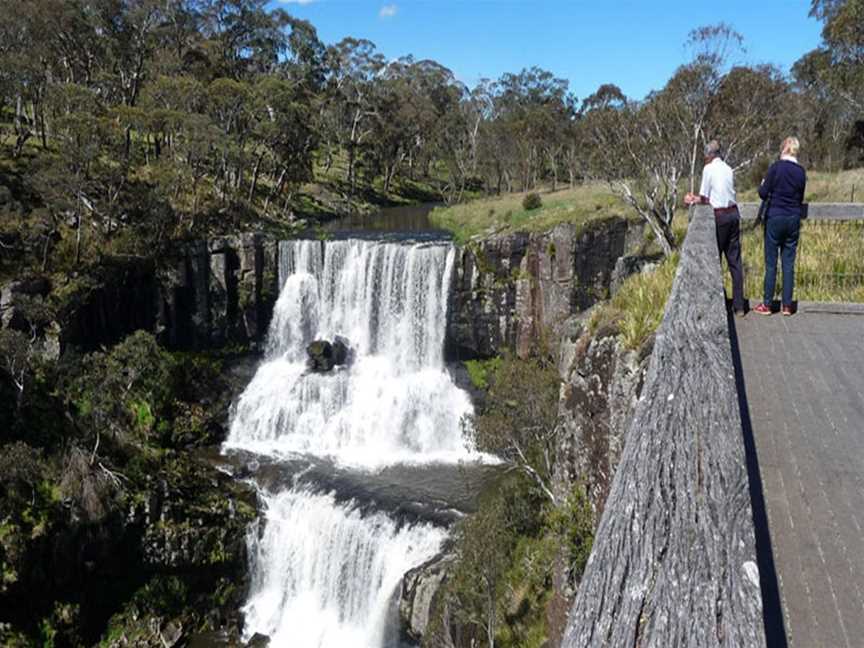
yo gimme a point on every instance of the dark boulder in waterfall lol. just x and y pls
(324, 355)
(341, 350)
(320, 356)
(258, 640)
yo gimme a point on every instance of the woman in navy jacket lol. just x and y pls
(783, 188)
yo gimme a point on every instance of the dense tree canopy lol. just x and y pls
(168, 117)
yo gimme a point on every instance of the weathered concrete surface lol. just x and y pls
(674, 559)
(804, 382)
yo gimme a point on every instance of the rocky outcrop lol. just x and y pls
(601, 383)
(324, 355)
(200, 295)
(629, 265)
(108, 303)
(512, 290)
(419, 589)
(218, 292)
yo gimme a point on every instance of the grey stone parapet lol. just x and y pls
(674, 558)
(815, 211)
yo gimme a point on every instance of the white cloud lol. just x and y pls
(388, 11)
(299, 2)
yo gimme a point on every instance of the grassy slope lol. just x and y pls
(636, 310)
(822, 186)
(328, 193)
(505, 213)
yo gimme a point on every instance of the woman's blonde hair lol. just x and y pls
(790, 146)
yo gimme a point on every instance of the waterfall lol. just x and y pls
(325, 571)
(396, 402)
(325, 575)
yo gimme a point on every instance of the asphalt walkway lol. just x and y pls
(801, 384)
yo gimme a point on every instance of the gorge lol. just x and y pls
(361, 472)
(326, 569)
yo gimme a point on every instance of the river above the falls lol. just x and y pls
(361, 469)
(387, 223)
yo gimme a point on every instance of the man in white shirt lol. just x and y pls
(718, 190)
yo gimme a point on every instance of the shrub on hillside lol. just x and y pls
(532, 201)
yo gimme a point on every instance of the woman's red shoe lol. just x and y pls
(762, 309)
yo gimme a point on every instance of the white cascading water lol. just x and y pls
(324, 572)
(325, 575)
(396, 403)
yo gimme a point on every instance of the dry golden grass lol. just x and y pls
(636, 310)
(824, 186)
(829, 266)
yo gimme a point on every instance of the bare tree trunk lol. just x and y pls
(22, 131)
(42, 133)
(276, 188)
(255, 172)
(695, 148)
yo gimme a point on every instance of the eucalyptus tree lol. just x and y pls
(640, 151)
(244, 37)
(533, 106)
(352, 69)
(284, 136)
(750, 113)
(843, 36)
(830, 82)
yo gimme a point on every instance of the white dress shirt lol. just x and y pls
(718, 184)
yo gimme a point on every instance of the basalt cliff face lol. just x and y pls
(198, 295)
(516, 290)
(511, 290)
(601, 381)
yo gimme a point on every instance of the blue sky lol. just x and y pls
(635, 44)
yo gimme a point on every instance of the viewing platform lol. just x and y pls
(802, 389)
(736, 516)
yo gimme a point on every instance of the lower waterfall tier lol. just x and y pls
(325, 574)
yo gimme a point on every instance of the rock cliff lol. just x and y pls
(199, 295)
(601, 381)
(511, 290)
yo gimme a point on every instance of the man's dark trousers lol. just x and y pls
(728, 222)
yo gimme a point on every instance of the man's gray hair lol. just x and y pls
(712, 149)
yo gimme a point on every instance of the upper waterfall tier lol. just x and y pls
(395, 402)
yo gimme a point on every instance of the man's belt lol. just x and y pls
(723, 211)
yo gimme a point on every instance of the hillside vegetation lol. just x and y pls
(507, 213)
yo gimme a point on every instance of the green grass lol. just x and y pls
(636, 310)
(829, 266)
(505, 213)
